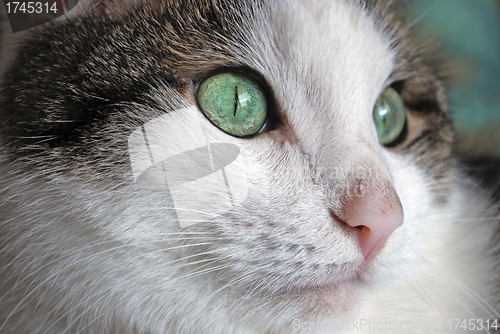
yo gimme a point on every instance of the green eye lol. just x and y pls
(389, 116)
(234, 102)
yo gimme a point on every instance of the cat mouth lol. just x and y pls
(326, 299)
(351, 274)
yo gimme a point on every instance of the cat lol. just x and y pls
(218, 166)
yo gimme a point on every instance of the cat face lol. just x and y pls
(319, 217)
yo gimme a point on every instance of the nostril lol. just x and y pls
(371, 215)
(373, 229)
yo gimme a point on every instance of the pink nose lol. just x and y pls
(373, 229)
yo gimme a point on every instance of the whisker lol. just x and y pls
(422, 320)
(245, 275)
(476, 272)
(75, 263)
(63, 315)
(90, 323)
(81, 315)
(420, 17)
(427, 299)
(208, 238)
(493, 313)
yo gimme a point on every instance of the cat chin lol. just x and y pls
(342, 299)
(328, 303)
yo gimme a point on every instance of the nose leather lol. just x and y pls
(373, 217)
(373, 229)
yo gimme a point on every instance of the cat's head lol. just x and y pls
(168, 213)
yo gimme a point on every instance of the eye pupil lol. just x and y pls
(389, 116)
(233, 102)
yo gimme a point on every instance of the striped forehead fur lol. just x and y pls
(193, 35)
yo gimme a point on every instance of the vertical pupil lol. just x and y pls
(235, 100)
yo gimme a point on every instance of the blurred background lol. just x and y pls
(469, 33)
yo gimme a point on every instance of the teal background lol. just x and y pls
(469, 32)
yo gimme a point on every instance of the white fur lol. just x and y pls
(121, 260)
